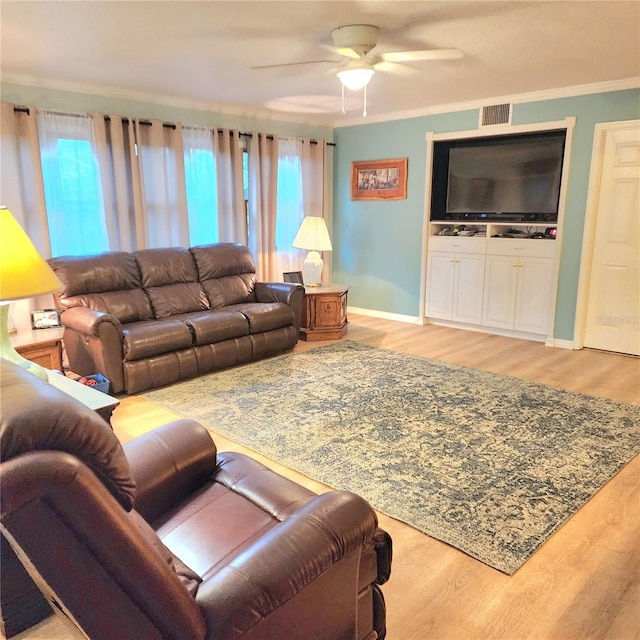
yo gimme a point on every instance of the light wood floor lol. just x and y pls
(584, 583)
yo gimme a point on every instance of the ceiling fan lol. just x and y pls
(355, 42)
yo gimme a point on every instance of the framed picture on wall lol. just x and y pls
(379, 179)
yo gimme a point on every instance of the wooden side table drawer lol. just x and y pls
(324, 315)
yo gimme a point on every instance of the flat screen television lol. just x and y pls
(510, 177)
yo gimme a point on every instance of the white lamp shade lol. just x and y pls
(313, 235)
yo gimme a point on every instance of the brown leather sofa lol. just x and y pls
(167, 538)
(150, 318)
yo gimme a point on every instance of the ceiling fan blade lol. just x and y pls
(396, 68)
(348, 52)
(426, 54)
(294, 64)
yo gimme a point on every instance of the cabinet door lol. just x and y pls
(533, 304)
(500, 286)
(440, 279)
(468, 288)
(329, 310)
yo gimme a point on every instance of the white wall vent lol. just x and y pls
(495, 114)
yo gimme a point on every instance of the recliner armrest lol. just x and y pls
(168, 464)
(318, 544)
(87, 320)
(289, 292)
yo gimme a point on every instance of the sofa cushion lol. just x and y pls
(154, 337)
(216, 326)
(226, 272)
(107, 282)
(36, 416)
(170, 278)
(265, 316)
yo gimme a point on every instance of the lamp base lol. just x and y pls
(7, 352)
(312, 269)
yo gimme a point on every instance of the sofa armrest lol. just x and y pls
(93, 342)
(290, 293)
(168, 464)
(308, 564)
(85, 320)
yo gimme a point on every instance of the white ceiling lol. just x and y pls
(201, 53)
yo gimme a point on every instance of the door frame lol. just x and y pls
(591, 215)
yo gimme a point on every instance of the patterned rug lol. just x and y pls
(490, 464)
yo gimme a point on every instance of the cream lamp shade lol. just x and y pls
(313, 236)
(24, 273)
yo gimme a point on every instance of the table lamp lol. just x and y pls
(314, 237)
(24, 273)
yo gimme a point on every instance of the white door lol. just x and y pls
(613, 308)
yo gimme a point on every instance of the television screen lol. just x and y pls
(503, 177)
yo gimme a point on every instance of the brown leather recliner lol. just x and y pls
(167, 538)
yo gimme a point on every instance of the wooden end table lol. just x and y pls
(42, 346)
(324, 312)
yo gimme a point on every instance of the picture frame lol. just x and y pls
(379, 179)
(45, 319)
(293, 276)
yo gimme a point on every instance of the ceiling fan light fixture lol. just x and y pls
(355, 78)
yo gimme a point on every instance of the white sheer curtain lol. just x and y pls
(120, 177)
(290, 206)
(72, 186)
(164, 198)
(263, 178)
(22, 191)
(201, 184)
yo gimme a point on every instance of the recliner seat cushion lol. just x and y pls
(154, 337)
(216, 326)
(170, 278)
(265, 316)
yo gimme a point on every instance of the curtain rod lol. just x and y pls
(270, 137)
(168, 125)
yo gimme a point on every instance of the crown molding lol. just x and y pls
(238, 110)
(531, 96)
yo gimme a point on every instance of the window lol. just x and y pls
(201, 185)
(73, 192)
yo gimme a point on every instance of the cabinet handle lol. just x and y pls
(515, 264)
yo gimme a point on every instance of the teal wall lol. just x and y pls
(378, 245)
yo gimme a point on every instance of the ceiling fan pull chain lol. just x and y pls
(364, 102)
(343, 109)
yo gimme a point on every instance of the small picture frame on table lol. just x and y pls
(293, 276)
(45, 319)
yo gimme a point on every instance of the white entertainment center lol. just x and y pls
(492, 275)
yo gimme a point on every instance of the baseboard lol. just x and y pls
(383, 315)
(560, 344)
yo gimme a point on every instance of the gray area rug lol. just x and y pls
(490, 464)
